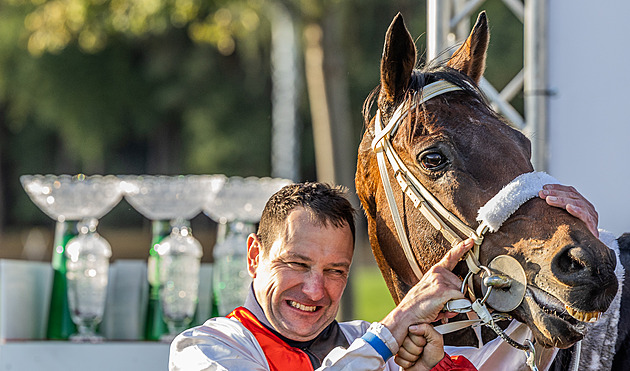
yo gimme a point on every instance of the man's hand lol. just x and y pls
(570, 199)
(422, 349)
(426, 299)
(437, 286)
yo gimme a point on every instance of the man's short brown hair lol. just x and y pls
(327, 204)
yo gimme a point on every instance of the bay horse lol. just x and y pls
(463, 153)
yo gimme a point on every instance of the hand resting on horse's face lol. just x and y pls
(568, 198)
(423, 347)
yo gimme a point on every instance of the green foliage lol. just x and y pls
(174, 86)
(505, 52)
(54, 24)
(371, 296)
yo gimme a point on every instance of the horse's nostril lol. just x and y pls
(573, 260)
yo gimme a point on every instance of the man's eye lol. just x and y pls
(297, 265)
(337, 272)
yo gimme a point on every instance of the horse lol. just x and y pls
(462, 153)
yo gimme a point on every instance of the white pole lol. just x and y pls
(438, 22)
(536, 90)
(284, 134)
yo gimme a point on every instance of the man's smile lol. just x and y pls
(302, 307)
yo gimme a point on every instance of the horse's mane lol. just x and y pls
(424, 76)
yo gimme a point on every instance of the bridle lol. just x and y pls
(421, 198)
(442, 220)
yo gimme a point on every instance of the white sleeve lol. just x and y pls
(220, 344)
(225, 344)
(360, 355)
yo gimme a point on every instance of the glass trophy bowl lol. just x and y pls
(242, 199)
(161, 197)
(237, 208)
(68, 199)
(169, 202)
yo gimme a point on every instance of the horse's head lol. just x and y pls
(463, 153)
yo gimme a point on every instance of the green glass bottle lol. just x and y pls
(60, 325)
(215, 307)
(155, 326)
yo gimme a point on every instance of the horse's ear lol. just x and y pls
(399, 59)
(470, 58)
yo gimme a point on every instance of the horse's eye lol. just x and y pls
(432, 160)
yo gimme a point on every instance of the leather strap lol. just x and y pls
(421, 198)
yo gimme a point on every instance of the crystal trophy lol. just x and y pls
(68, 199)
(237, 208)
(169, 202)
(179, 263)
(87, 267)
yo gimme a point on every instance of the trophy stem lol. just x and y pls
(179, 265)
(155, 326)
(230, 277)
(60, 325)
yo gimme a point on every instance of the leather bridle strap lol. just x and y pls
(421, 198)
(400, 230)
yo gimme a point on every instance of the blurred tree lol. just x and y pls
(144, 97)
(177, 86)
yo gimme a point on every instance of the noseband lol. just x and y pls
(491, 216)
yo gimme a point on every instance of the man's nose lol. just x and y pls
(314, 286)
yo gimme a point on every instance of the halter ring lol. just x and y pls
(487, 271)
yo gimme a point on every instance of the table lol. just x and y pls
(69, 356)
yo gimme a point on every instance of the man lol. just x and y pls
(299, 262)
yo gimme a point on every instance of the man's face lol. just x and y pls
(299, 282)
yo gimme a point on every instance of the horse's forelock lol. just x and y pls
(420, 78)
(433, 72)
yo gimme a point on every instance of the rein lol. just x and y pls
(440, 218)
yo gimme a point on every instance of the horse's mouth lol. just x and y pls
(552, 306)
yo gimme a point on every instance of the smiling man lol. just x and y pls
(299, 261)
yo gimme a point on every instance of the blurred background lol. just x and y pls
(193, 87)
(185, 87)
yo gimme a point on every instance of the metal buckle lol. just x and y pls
(458, 306)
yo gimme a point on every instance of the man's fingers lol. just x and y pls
(587, 218)
(403, 362)
(412, 346)
(454, 255)
(414, 343)
(564, 195)
(559, 188)
(419, 331)
(570, 199)
(431, 334)
(408, 356)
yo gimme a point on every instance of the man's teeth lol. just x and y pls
(306, 308)
(583, 316)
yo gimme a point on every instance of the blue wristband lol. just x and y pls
(378, 345)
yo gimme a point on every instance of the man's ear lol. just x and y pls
(253, 253)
